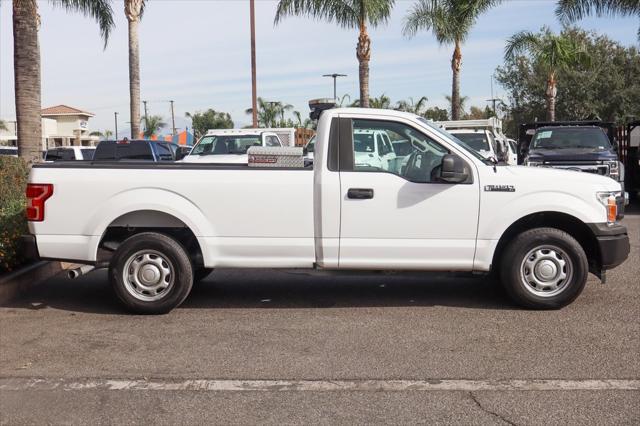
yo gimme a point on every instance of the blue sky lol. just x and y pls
(197, 53)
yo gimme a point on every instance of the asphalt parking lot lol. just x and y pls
(287, 347)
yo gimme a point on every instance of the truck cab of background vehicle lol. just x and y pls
(582, 148)
(485, 136)
(160, 226)
(134, 150)
(372, 148)
(70, 153)
(230, 145)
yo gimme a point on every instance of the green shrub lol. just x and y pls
(13, 223)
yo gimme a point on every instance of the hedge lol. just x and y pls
(13, 223)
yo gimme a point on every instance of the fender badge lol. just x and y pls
(500, 188)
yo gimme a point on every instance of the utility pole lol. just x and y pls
(115, 114)
(493, 99)
(254, 91)
(173, 118)
(334, 76)
(146, 116)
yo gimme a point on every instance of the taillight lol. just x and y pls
(37, 194)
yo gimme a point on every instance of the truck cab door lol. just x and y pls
(404, 218)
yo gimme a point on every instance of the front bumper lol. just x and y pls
(29, 247)
(613, 243)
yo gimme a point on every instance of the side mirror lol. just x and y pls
(182, 152)
(453, 169)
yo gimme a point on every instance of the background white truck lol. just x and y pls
(230, 145)
(485, 136)
(158, 227)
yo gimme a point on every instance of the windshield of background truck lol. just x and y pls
(477, 141)
(562, 138)
(449, 136)
(226, 144)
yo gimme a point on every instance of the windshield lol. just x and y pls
(477, 141)
(577, 137)
(226, 144)
(449, 136)
(363, 142)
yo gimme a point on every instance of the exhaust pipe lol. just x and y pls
(76, 272)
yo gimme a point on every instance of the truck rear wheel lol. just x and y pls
(544, 268)
(151, 273)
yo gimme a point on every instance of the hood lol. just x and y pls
(221, 158)
(560, 176)
(571, 154)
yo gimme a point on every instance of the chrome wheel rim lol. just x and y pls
(148, 275)
(546, 271)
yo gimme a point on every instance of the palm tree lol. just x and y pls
(267, 112)
(383, 102)
(574, 10)
(96, 133)
(412, 106)
(451, 22)
(347, 14)
(26, 65)
(108, 134)
(133, 9)
(462, 103)
(552, 52)
(209, 119)
(152, 124)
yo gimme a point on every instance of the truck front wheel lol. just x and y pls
(151, 273)
(544, 268)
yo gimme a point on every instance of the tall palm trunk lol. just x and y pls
(26, 63)
(132, 9)
(363, 52)
(456, 64)
(552, 91)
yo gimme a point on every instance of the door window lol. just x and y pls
(273, 141)
(417, 161)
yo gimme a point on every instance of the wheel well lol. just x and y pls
(136, 222)
(570, 224)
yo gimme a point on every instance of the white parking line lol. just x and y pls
(22, 384)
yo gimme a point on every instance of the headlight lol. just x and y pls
(608, 200)
(614, 169)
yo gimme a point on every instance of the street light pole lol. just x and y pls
(334, 76)
(173, 118)
(254, 90)
(115, 114)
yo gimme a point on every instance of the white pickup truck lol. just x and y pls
(230, 145)
(159, 227)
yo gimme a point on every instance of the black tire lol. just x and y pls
(200, 273)
(173, 270)
(543, 245)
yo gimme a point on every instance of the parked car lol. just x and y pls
(160, 226)
(230, 145)
(512, 151)
(373, 148)
(135, 150)
(70, 153)
(11, 151)
(584, 148)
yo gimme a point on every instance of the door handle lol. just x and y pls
(360, 193)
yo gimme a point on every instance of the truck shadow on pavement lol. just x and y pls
(282, 289)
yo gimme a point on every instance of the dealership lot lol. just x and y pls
(356, 349)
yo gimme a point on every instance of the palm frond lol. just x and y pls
(521, 42)
(346, 13)
(100, 10)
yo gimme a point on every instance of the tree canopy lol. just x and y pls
(201, 121)
(608, 88)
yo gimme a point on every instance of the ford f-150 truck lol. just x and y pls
(159, 227)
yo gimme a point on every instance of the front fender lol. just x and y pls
(494, 221)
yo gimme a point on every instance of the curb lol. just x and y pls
(23, 279)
